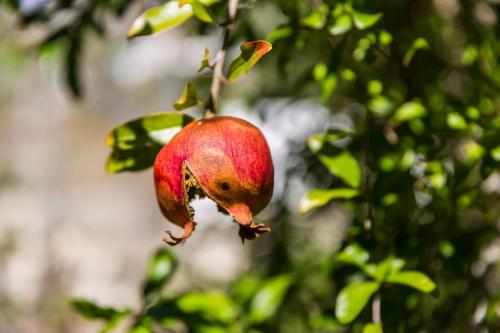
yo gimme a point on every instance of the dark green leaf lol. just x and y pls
(269, 298)
(161, 267)
(251, 52)
(319, 197)
(93, 311)
(414, 279)
(136, 143)
(352, 299)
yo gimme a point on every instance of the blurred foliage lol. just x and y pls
(417, 170)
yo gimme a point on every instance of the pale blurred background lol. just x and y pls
(68, 229)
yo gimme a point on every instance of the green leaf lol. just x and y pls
(161, 267)
(199, 10)
(281, 32)
(328, 86)
(188, 98)
(341, 25)
(160, 18)
(245, 288)
(211, 306)
(456, 121)
(136, 143)
(268, 299)
(251, 52)
(352, 299)
(364, 21)
(380, 105)
(354, 254)
(316, 142)
(343, 166)
(418, 44)
(93, 311)
(319, 197)
(205, 61)
(495, 153)
(386, 267)
(372, 328)
(414, 279)
(408, 111)
(316, 19)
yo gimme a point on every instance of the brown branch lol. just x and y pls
(218, 75)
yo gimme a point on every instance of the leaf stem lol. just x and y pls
(218, 75)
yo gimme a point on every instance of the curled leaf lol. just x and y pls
(205, 61)
(188, 98)
(251, 52)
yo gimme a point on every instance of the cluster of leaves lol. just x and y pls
(250, 303)
(415, 166)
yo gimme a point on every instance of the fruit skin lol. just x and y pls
(224, 158)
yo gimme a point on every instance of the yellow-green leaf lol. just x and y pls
(408, 111)
(414, 279)
(268, 298)
(319, 197)
(251, 52)
(205, 61)
(188, 98)
(199, 10)
(364, 20)
(341, 25)
(352, 299)
(418, 44)
(160, 18)
(343, 166)
(373, 328)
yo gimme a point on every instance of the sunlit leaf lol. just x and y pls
(320, 197)
(245, 288)
(317, 18)
(408, 111)
(136, 143)
(380, 105)
(456, 121)
(414, 279)
(160, 18)
(211, 306)
(188, 98)
(251, 52)
(418, 44)
(495, 153)
(386, 267)
(343, 166)
(160, 270)
(340, 25)
(199, 10)
(352, 299)
(328, 86)
(205, 61)
(269, 298)
(372, 328)
(354, 254)
(364, 20)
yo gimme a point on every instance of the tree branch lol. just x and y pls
(376, 317)
(218, 75)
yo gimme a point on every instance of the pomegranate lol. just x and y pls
(226, 159)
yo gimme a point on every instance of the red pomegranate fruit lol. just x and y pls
(226, 159)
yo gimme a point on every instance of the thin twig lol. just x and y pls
(376, 317)
(218, 75)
